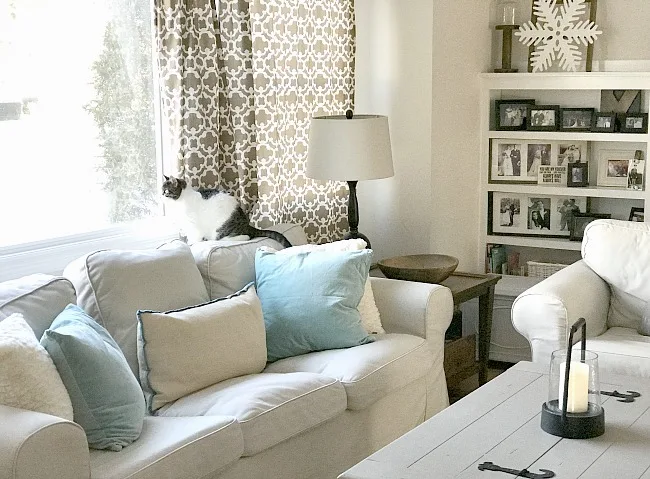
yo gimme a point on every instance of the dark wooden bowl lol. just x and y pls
(425, 268)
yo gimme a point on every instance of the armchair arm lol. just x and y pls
(34, 444)
(544, 313)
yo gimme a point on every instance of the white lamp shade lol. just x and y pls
(349, 149)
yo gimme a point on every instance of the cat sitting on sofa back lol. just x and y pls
(210, 214)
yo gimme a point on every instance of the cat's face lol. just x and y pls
(173, 187)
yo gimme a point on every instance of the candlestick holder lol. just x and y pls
(506, 48)
(573, 409)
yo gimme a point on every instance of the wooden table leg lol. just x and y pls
(485, 305)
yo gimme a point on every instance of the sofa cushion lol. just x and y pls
(269, 407)
(188, 447)
(368, 372)
(38, 297)
(113, 285)
(222, 339)
(621, 351)
(28, 378)
(310, 300)
(619, 252)
(228, 266)
(106, 398)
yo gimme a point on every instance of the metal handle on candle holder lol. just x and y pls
(580, 323)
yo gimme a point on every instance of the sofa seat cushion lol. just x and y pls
(269, 407)
(621, 351)
(370, 371)
(189, 447)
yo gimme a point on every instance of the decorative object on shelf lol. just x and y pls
(636, 171)
(571, 152)
(579, 222)
(621, 102)
(511, 114)
(603, 122)
(552, 175)
(576, 119)
(509, 162)
(533, 215)
(543, 118)
(634, 123)
(578, 175)
(556, 31)
(573, 408)
(350, 148)
(506, 14)
(637, 214)
(425, 268)
(538, 269)
(613, 167)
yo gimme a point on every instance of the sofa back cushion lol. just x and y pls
(113, 285)
(228, 266)
(38, 297)
(619, 252)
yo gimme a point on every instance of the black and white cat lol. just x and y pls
(208, 214)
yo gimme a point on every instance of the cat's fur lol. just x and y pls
(208, 214)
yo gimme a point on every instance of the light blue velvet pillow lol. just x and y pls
(106, 398)
(309, 300)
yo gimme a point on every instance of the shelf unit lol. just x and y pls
(567, 90)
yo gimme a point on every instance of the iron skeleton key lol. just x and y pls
(622, 397)
(490, 466)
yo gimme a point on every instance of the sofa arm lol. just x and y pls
(544, 313)
(39, 445)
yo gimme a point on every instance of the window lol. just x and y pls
(77, 124)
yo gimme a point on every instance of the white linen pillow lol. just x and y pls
(189, 349)
(28, 378)
(370, 319)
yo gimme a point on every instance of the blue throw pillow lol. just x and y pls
(106, 398)
(309, 300)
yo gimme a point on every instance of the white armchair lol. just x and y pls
(609, 287)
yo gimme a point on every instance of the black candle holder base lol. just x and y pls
(575, 425)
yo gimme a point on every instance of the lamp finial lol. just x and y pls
(349, 114)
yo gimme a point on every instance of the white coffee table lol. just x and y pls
(500, 423)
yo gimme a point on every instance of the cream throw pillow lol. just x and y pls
(370, 319)
(28, 378)
(189, 349)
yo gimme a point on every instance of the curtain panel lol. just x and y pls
(239, 82)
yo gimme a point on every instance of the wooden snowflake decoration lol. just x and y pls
(557, 34)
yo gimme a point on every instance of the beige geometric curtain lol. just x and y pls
(239, 82)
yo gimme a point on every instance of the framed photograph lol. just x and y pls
(636, 214)
(506, 213)
(539, 153)
(543, 118)
(576, 119)
(604, 122)
(634, 123)
(511, 114)
(580, 221)
(613, 167)
(577, 175)
(635, 174)
(567, 208)
(509, 163)
(571, 152)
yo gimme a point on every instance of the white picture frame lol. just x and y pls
(571, 152)
(524, 167)
(613, 167)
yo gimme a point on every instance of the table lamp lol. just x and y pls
(350, 148)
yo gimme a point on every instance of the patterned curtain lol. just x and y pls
(239, 83)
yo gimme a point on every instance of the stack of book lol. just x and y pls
(499, 261)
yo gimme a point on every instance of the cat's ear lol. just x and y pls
(182, 183)
(166, 177)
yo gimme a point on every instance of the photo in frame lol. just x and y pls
(571, 152)
(604, 122)
(577, 175)
(576, 119)
(511, 114)
(579, 222)
(613, 167)
(634, 123)
(538, 153)
(620, 102)
(636, 172)
(543, 118)
(509, 162)
(636, 214)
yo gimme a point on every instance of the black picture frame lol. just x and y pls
(576, 119)
(543, 118)
(634, 123)
(577, 175)
(603, 122)
(579, 222)
(637, 214)
(501, 115)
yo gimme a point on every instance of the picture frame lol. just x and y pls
(580, 221)
(576, 119)
(637, 214)
(543, 117)
(634, 123)
(509, 162)
(510, 115)
(552, 175)
(577, 175)
(603, 122)
(636, 172)
(571, 152)
(613, 167)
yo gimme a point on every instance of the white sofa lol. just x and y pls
(609, 287)
(314, 415)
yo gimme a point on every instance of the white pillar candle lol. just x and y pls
(578, 398)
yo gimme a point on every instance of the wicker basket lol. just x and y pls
(543, 270)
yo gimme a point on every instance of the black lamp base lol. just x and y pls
(577, 425)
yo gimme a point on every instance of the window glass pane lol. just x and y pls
(77, 129)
